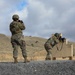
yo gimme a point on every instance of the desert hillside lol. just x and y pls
(35, 48)
(34, 45)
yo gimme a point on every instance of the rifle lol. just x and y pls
(62, 40)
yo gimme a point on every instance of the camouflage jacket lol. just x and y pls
(52, 41)
(17, 27)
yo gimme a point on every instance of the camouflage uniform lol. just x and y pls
(16, 27)
(50, 43)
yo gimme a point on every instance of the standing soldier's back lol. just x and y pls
(16, 27)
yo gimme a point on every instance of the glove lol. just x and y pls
(20, 21)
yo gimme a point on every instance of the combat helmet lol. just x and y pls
(15, 16)
(57, 35)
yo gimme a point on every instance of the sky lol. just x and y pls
(42, 18)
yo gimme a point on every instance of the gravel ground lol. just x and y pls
(38, 68)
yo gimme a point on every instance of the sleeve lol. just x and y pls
(13, 27)
(22, 26)
(56, 40)
(10, 27)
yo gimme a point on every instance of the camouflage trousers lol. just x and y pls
(48, 50)
(17, 40)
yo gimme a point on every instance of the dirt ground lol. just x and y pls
(38, 68)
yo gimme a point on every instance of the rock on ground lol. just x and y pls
(55, 67)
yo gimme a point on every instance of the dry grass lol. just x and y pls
(35, 49)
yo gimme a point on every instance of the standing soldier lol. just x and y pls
(50, 43)
(17, 38)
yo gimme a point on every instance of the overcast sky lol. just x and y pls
(41, 17)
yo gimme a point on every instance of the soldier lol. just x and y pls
(50, 43)
(17, 38)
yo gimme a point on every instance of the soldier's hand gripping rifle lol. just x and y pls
(62, 40)
(20, 21)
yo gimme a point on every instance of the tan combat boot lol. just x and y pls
(47, 58)
(26, 60)
(15, 60)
